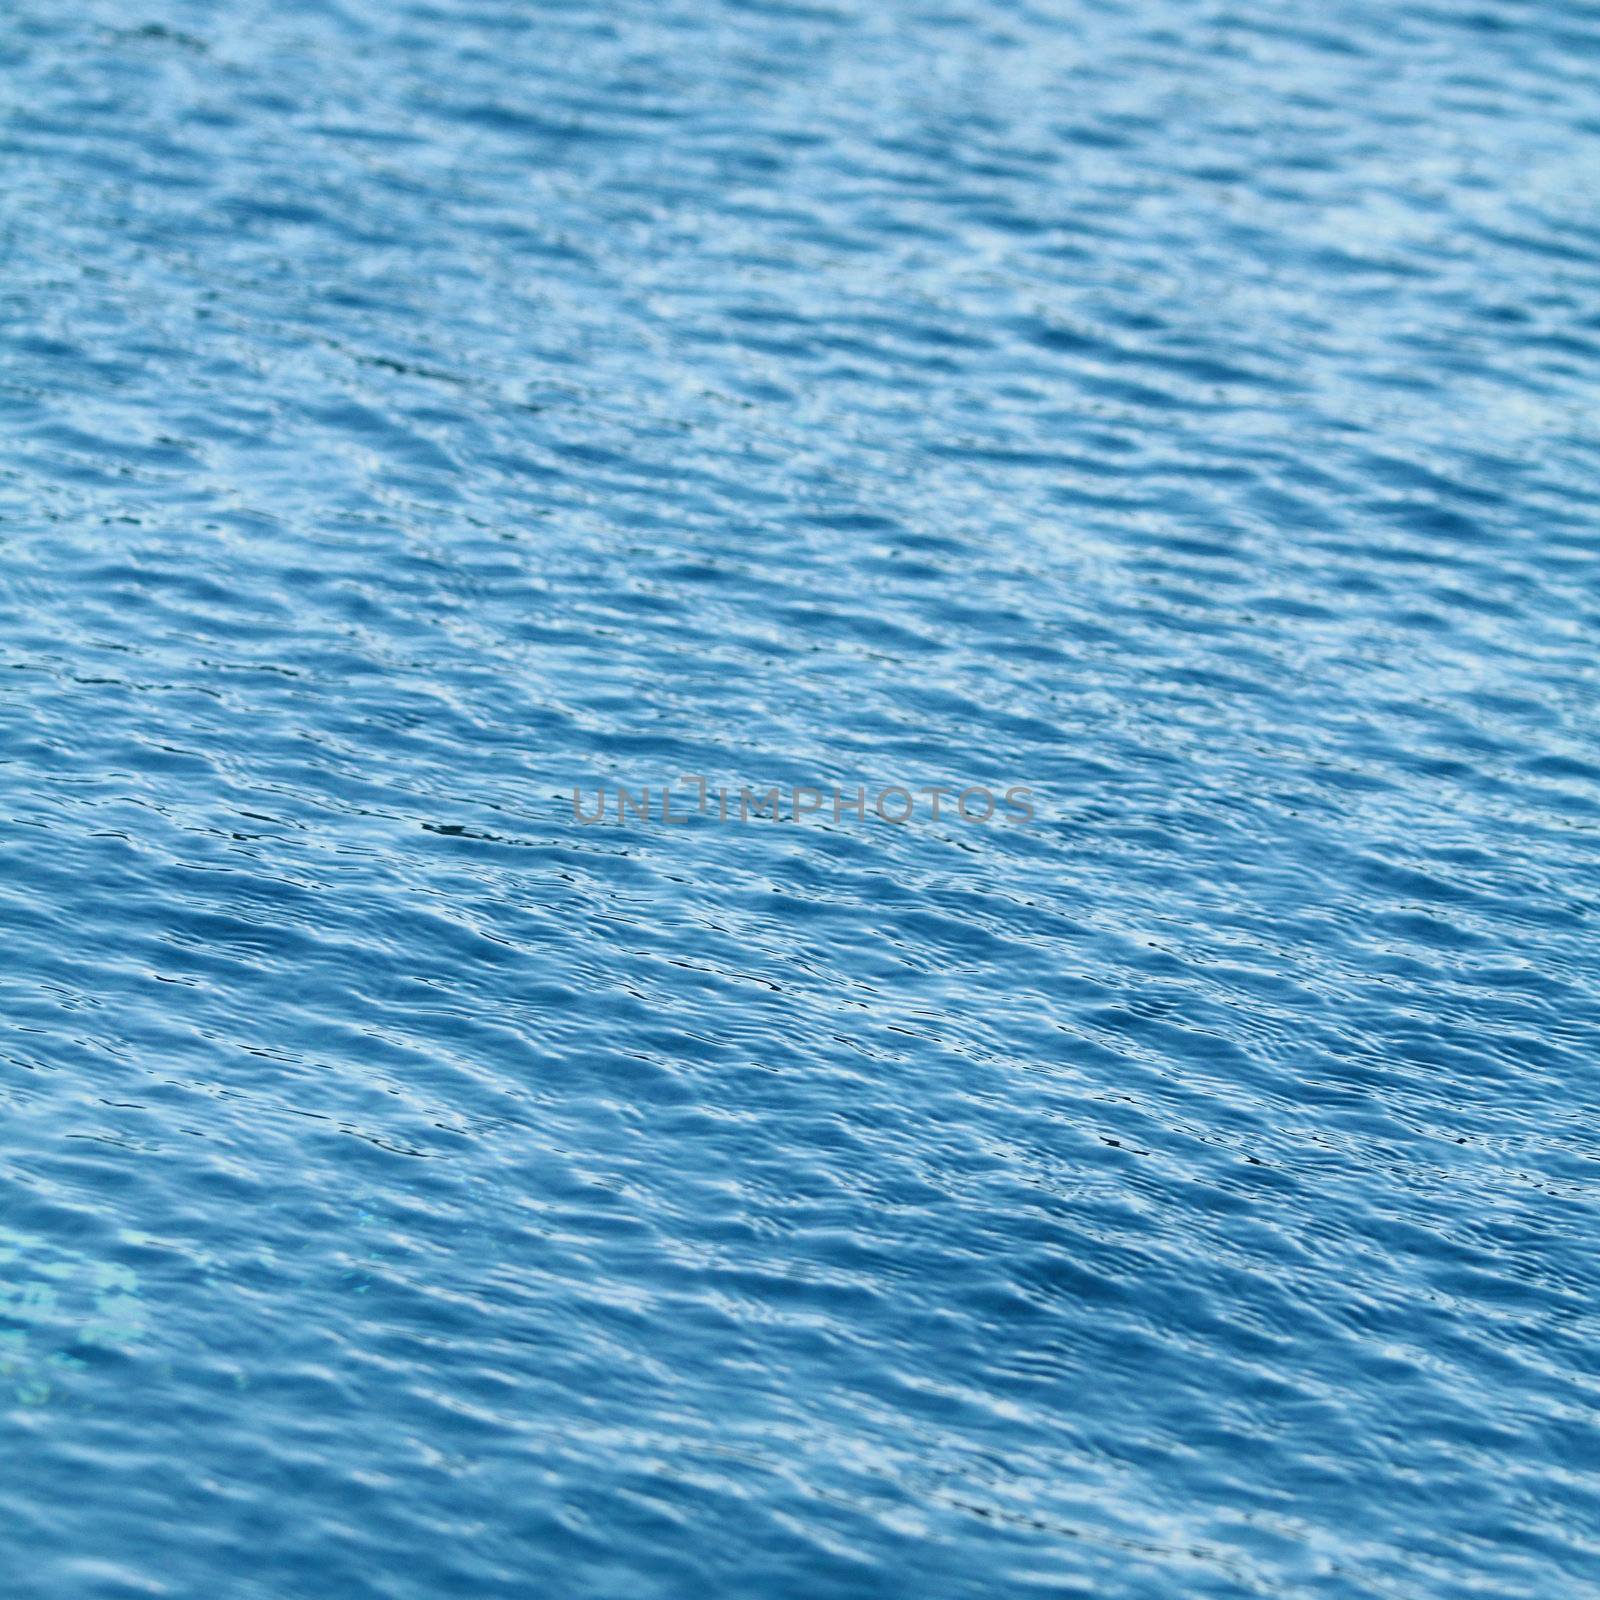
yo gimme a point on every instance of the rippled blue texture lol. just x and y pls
(410, 410)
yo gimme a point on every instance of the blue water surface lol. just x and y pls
(412, 409)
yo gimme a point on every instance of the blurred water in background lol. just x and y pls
(409, 411)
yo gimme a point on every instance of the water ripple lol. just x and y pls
(414, 412)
